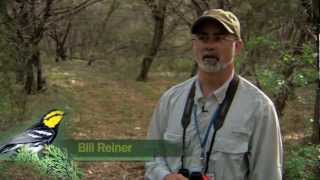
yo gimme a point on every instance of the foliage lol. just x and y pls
(282, 64)
(262, 41)
(303, 162)
(271, 81)
(307, 74)
(54, 163)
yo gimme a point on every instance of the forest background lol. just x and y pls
(107, 62)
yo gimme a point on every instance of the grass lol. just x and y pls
(107, 104)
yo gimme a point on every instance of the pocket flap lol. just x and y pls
(230, 145)
(174, 138)
(241, 130)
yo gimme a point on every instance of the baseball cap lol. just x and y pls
(226, 18)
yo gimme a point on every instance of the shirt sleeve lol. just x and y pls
(265, 149)
(157, 168)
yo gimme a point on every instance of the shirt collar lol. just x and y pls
(218, 94)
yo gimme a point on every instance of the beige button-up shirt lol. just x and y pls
(248, 145)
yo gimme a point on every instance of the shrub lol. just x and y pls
(303, 163)
(53, 163)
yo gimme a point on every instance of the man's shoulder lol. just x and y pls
(253, 92)
(179, 89)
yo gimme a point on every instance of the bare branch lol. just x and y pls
(175, 9)
(115, 5)
(68, 12)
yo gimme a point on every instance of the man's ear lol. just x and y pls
(193, 46)
(239, 45)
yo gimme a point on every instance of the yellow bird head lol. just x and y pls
(53, 118)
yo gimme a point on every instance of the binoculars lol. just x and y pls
(191, 176)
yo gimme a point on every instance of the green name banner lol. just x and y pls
(119, 150)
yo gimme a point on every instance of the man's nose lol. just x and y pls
(210, 46)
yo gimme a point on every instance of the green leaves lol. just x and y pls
(270, 80)
(302, 162)
(54, 162)
(262, 41)
(304, 78)
(282, 65)
(287, 58)
(308, 54)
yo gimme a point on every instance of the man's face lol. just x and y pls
(214, 48)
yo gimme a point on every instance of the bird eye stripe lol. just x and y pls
(52, 113)
(47, 118)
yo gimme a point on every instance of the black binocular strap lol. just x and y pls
(222, 112)
(186, 118)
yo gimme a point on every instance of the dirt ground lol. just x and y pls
(108, 106)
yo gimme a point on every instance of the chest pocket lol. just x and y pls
(230, 146)
(229, 157)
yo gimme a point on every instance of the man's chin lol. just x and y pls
(211, 69)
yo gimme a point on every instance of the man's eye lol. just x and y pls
(218, 38)
(203, 38)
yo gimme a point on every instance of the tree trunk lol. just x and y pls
(60, 39)
(159, 19)
(38, 66)
(19, 72)
(34, 77)
(29, 77)
(316, 123)
(282, 97)
(57, 54)
(60, 53)
(91, 58)
(145, 66)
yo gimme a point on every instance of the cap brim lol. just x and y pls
(196, 25)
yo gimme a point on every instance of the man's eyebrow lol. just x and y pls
(216, 33)
(202, 33)
(219, 33)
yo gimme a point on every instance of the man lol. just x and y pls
(248, 144)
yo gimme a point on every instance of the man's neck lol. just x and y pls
(212, 81)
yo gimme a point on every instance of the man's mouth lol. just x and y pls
(210, 58)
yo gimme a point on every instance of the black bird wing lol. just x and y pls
(35, 135)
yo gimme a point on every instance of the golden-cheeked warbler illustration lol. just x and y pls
(37, 136)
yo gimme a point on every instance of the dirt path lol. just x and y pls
(107, 108)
